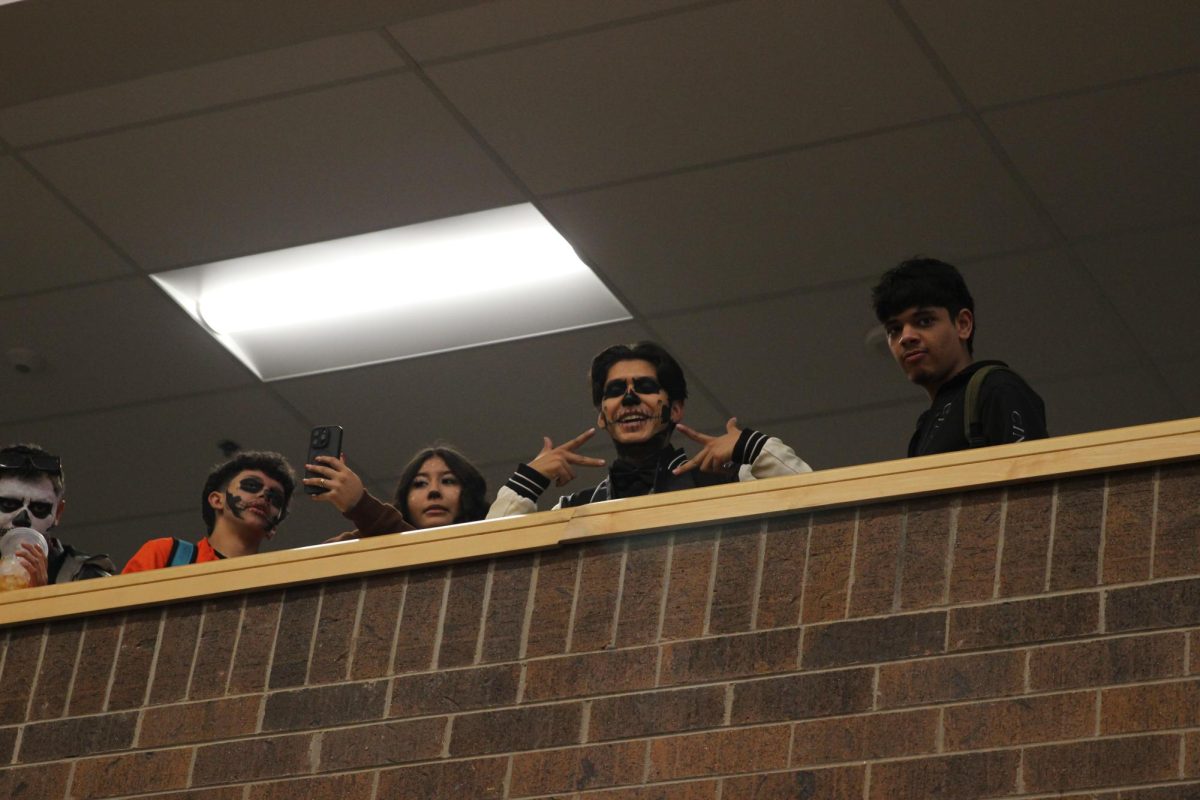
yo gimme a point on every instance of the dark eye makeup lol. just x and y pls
(643, 385)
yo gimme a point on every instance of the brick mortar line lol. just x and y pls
(233, 648)
(352, 645)
(187, 686)
(1156, 483)
(506, 782)
(112, 671)
(668, 564)
(1187, 652)
(759, 569)
(808, 532)
(434, 656)
(150, 675)
(1102, 547)
(390, 674)
(951, 548)
(484, 607)
(312, 635)
(574, 600)
(70, 693)
(710, 590)
(1000, 541)
(1054, 501)
(1110, 789)
(901, 558)
(616, 618)
(1183, 756)
(270, 665)
(853, 564)
(35, 681)
(527, 616)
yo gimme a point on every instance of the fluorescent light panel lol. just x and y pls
(459, 282)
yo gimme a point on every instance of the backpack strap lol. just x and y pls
(181, 553)
(973, 406)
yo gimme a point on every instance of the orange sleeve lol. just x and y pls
(152, 555)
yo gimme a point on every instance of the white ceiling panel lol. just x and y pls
(42, 244)
(494, 403)
(690, 88)
(777, 224)
(1095, 174)
(105, 345)
(178, 92)
(1001, 51)
(787, 356)
(488, 25)
(853, 436)
(316, 166)
(1040, 313)
(1153, 279)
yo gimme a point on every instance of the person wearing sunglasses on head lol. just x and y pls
(639, 393)
(32, 495)
(243, 503)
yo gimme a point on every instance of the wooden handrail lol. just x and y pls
(865, 483)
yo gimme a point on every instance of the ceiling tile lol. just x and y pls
(807, 218)
(305, 168)
(1111, 160)
(690, 88)
(999, 51)
(105, 345)
(1153, 280)
(177, 92)
(488, 25)
(42, 244)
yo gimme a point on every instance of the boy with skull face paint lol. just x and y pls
(243, 502)
(639, 392)
(32, 492)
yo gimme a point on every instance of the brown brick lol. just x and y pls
(877, 560)
(8, 745)
(534, 728)
(687, 586)
(1106, 661)
(737, 571)
(451, 691)
(325, 706)
(926, 547)
(958, 777)
(1193, 668)
(1191, 754)
(657, 712)
(147, 771)
(819, 694)
(22, 649)
(1026, 539)
(206, 721)
(89, 691)
(552, 599)
(1149, 708)
(865, 737)
(477, 779)
(506, 608)
(71, 738)
(830, 552)
(464, 615)
(600, 565)
(591, 673)
(641, 592)
(333, 787)
(1075, 554)
(54, 682)
(1177, 534)
(419, 623)
(1023, 720)
(293, 642)
(691, 790)
(1128, 526)
(940, 680)
(1104, 762)
(256, 640)
(383, 596)
(35, 783)
(576, 768)
(382, 744)
(1174, 604)
(214, 655)
(1024, 621)
(253, 759)
(719, 753)
(784, 556)
(702, 660)
(335, 632)
(873, 640)
(134, 659)
(976, 538)
(837, 783)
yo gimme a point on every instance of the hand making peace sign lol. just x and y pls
(717, 453)
(555, 462)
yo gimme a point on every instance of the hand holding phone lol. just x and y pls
(325, 440)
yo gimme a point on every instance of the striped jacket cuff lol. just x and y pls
(749, 446)
(528, 482)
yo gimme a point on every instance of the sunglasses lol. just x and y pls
(617, 388)
(21, 458)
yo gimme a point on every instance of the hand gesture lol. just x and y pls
(345, 487)
(34, 561)
(555, 462)
(716, 455)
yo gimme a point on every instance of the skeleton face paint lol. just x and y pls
(28, 503)
(253, 496)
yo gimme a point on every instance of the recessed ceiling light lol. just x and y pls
(458, 282)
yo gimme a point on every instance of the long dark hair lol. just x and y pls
(472, 503)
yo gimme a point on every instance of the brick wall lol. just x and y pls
(1035, 641)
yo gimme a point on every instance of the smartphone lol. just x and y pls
(325, 440)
